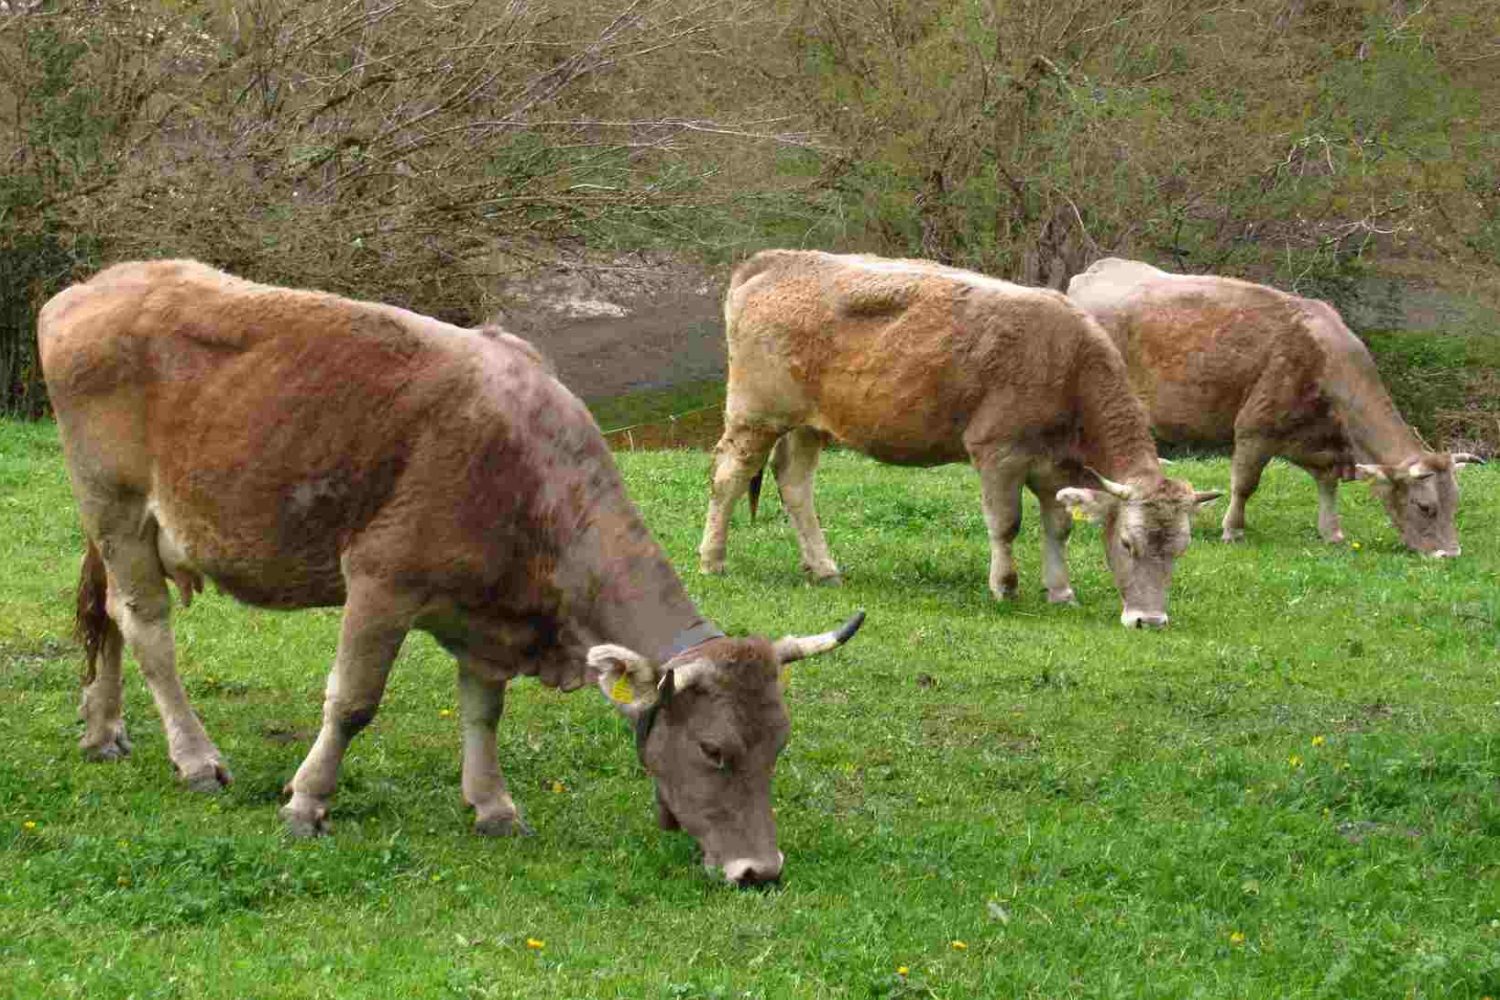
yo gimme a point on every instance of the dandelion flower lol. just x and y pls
(1318, 741)
(959, 946)
(902, 970)
(1354, 546)
(30, 824)
(1236, 937)
(1295, 760)
(535, 944)
(558, 788)
(444, 713)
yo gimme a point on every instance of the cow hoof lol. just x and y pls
(502, 826)
(209, 779)
(113, 747)
(1337, 538)
(303, 825)
(1062, 597)
(711, 568)
(1232, 535)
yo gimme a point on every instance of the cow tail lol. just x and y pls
(758, 480)
(92, 625)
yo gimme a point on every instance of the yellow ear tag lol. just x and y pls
(1079, 515)
(622, 692)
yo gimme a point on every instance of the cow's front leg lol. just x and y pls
(1328, 504)
(375, 622)
(1245, 466)
(481, 703)
(1000, 478)
(1057, 525)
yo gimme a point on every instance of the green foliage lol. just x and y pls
(1288, 794)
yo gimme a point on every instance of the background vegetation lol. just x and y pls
(412, 151)
(1288, 794)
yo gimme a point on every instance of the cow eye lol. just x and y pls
(715, 757)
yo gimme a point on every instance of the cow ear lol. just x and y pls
(1202, 498)
(1378, 473)
(1090, 505)
(624, 676)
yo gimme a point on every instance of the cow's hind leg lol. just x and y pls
(481, 701)
(376, 620)
(102, 704)
(739, 455)
(1249, 461)
(140, 606)
(795, 462)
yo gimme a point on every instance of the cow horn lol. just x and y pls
(1114, 489)
(1466, 458)
(688, 674)
(794, 647)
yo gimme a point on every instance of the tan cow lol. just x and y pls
(303, 450)
(915, 363)
(1218, 360)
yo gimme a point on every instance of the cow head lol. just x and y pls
(1145, 530)
(709, 725)
(1421, 497)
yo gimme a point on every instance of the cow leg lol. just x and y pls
(795, 462)
(1057, 525)
(102, 706)
(138, 602)
(1250, 458)
(1000, 481)
(739, 455)
(481, 704)
(1328, 504)
(375, 623)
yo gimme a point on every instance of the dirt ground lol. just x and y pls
(621, 325)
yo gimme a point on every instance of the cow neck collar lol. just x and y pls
(690, 637)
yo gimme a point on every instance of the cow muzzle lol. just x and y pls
(746, 872)
(1131, 618)
(1452, 553)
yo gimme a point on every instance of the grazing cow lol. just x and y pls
(914, 363)
(303, 450)
(1217, 360)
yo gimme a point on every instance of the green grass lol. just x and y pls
(656, 404)
(1292, 792)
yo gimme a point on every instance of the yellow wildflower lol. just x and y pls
(535, 944)
(30, 824)
(558, 788)
(444, 713)
(1236, 937)
(1295, 760)
(959, 946)
(1318, 741)
(901, 970)
(1354, 546)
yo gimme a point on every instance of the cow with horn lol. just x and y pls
(303, 450)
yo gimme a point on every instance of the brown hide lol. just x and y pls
(1217, 361)
(916, 363)
(304, 450)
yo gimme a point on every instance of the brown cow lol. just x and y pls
(1218, 360)
(914, 363)
(303, 450)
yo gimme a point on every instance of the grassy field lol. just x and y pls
(1292, 792)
